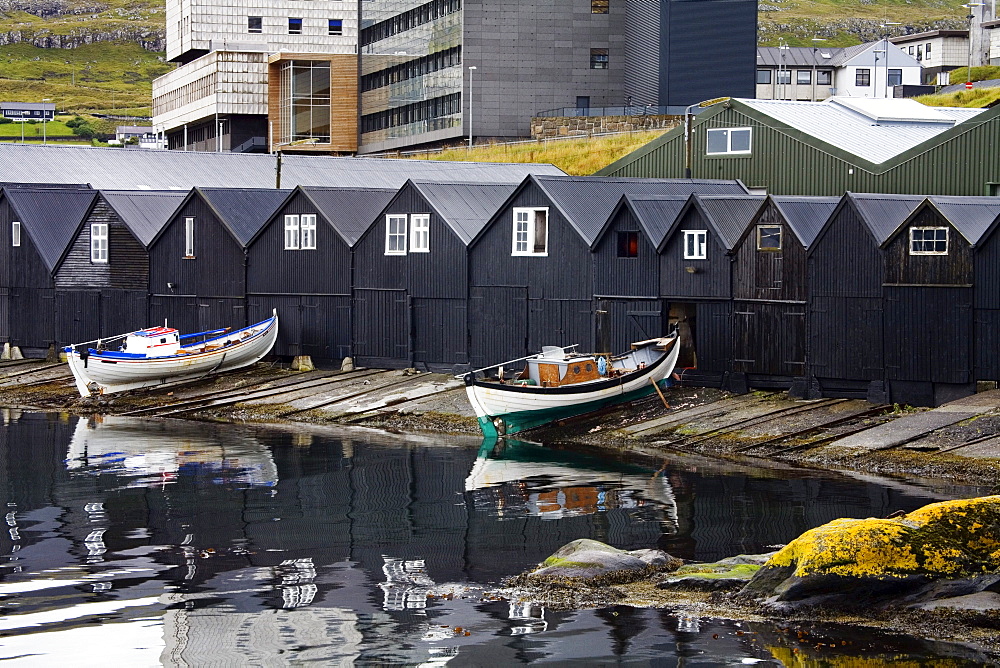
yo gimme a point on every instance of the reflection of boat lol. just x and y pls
(557, 483)
(153, 452)
(154, 356)
(555, 384)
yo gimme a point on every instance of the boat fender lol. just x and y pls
(470, 378)
(602, 366)
(85, 355)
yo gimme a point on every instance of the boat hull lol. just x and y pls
(503, 410)
(106, 374)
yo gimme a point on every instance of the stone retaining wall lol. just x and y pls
(568, 126)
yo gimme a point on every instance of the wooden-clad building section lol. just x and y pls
(846, 269)
(411, 269)
(197, 272)
(532, 265)
(929, 321)
(102, 279)
(627, 304)
(696, 265)
(771, 291)
(36, 227)
(300, 264)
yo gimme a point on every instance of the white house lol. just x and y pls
(816, 73)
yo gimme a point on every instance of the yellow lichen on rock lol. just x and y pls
(947, 539)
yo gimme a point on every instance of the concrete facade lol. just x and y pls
(937, 51)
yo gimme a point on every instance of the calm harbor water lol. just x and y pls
(173, 543)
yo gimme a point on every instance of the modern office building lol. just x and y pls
(342, 76)
(448, 69)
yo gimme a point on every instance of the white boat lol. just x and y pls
(154, 356)
(557, 384)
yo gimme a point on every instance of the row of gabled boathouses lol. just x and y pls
(885, 297)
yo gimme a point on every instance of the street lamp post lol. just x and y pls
(783, 71)
(815, 41)
(472, 69)
(885, 46)
(45, 139)
(970, 6)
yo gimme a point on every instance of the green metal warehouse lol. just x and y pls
(830, 147)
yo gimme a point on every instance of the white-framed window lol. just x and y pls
(307, 227)
(769, 237)
(928, 241)
(695, 244)
(99, 243)
(420, 233)
(189, 237)
(291, 231)
(15, 233)
(722, 141)
(531, 231)
(395, 234)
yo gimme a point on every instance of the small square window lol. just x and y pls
(395, 235)
(294, 26)
(15, 233)
(784, 77)
(420, 230)
(862, 77)
(894, 77)
(628, 244)
(335, 27)
(599, 6)
(763, 76)
(99, 243)
(307, 227)
(695, 244)
(928, 241)
(824, 78)
(927, 49)
(599, 59)
(728, 140)
(769, 237)
(292, 232)
(255, 24)
(531, 232)
(803, 77)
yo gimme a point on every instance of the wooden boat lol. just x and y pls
(557, 384)
(155, 356)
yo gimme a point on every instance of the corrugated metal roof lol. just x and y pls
(884, 213)
(656, 214)
(244, 210)
(729, 215)
(465, 207)
(144, 212)
(971, 216)
(50, 216)
(865, 136)
(147, 169)
(587, 201)
(799, 56)
(349, 210)
(806, 215)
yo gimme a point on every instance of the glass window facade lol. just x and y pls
(305, 101)
(412, 70)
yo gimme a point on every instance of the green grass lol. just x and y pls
(574, 156)
(973, 99)
(104, 78)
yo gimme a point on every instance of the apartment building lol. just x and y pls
(816, 73)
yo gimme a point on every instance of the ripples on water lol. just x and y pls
(137, 543)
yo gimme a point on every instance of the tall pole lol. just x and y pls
(472, 69)
(970, 6)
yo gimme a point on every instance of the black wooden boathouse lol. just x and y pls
(411, 294)
(102, 278)
(846, 275)
(771, 292)
(300, 264)
(197, 276)
(696, 265)
(532, 265)
(37, 226)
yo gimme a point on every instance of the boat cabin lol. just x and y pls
(153, 342)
